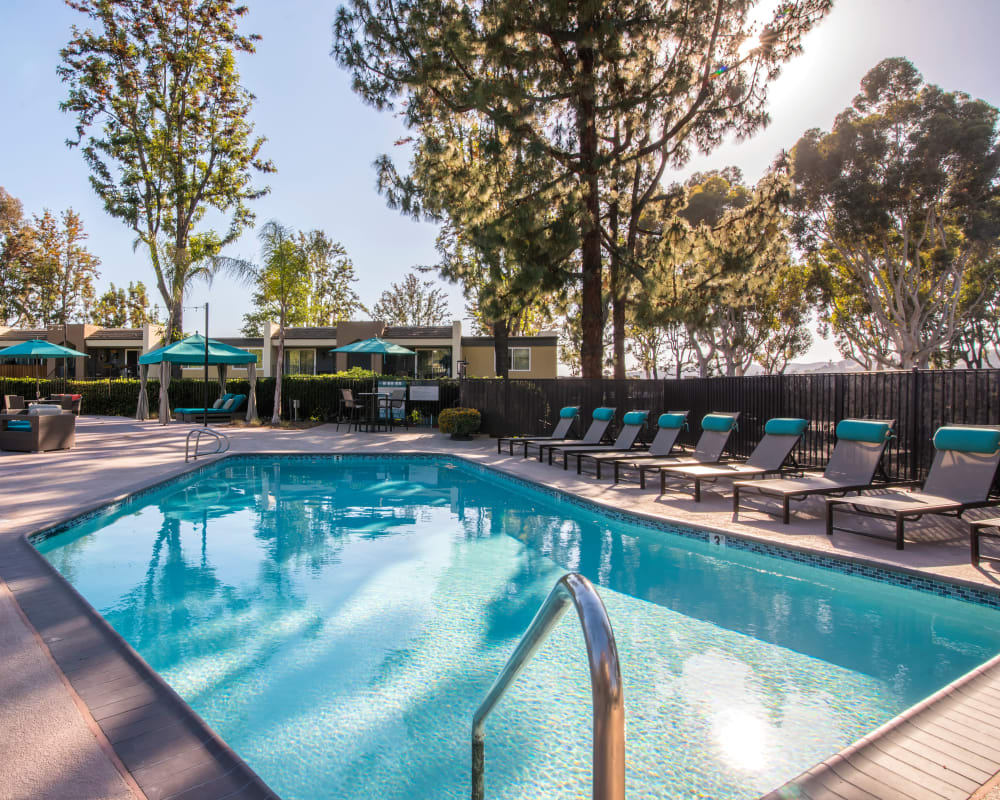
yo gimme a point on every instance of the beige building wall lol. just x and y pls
(479, 362)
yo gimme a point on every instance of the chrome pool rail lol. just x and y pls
(605, 684)
(221, 443)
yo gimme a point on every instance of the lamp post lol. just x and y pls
(205, 391)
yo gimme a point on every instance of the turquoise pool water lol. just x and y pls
(337, 622)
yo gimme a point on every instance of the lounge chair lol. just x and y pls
(632, 424)
(781, 435)
(852, 465)
(567, 416)
(961, 475)
(716, 429)
(231, 404)
(600, 421)
(37, 430)
(977, 529)
(669, 427)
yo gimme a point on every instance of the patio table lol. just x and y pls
(375, 403)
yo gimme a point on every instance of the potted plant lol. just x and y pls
(459, 422)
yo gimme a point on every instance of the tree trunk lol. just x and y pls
(276, 414)
(175, 321)
(591, 307)
(501, 347)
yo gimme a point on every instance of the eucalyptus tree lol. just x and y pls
(163, 124)
(586, 87)
(899, 207)
(412, 302)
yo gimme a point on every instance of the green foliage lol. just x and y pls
(899, 209)
(165, 129)
(578, 91)
(460, 421)
(412, 302)
(124, 308)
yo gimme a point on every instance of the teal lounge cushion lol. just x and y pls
(786, 426)
(18, 425)
(569, 412)
(968, 440)
(635, 418)
(671, 420)
(603, 414)
(863, 430)
(723, 423)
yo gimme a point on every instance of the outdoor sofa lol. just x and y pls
(961, 476)
(222, 411)
(38, 430)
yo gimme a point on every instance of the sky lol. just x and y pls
(323, 139)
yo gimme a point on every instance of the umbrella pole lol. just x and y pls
(206, 365)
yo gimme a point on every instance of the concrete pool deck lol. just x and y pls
(78, 709)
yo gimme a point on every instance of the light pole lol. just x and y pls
(205, 391)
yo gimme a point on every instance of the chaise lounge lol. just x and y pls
(961, 475)
(632, 424)
(222, 411)
(781, 435)
(668, 428)
(560, 433)
(851, 468)
(600, 421)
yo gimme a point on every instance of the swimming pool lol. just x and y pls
(337, 621)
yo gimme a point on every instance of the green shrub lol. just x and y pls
(460, 421)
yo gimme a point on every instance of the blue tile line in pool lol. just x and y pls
(846, 566)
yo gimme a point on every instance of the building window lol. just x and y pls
(300, 362)
(520, 359)
(259, 352)
(433, 362)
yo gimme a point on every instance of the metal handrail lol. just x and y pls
(605, 684)
(221, 443)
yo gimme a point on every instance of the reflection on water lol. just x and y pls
(338, 623)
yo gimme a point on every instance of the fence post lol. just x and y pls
(916, 449)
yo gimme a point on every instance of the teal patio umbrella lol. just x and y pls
(377, 345)
(193, 350)
(39, 348)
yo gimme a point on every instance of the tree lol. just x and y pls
(281, 282)
(585, 87)
(17, 244)
(62, 271)
(326, 298)
(899, 208)
(164, 127)
(412, 302)
(124, 308)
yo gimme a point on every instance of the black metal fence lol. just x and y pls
(918, 400)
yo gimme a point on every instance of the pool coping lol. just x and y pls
(217, 772)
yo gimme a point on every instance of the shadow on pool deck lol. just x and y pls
(164, 746)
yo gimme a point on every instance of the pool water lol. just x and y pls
(338, 621)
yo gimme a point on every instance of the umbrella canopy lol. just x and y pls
(192, 351)
(375, 345)
(39, 348)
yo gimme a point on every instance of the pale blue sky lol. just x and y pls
(323, 139)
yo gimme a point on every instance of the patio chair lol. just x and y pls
(69, 402)
(567, 416)
(961, 475)
(13, 402)
(632, 424)
(349, 409)
(851, 468)
(716, 428)
(393, 407)
(668, 428)
(37, 431)
(600, 421)
(781, 435)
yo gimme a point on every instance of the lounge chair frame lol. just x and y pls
(663, 438)
(629, 432)
(978, 529)
(595, 434)
(560, 432)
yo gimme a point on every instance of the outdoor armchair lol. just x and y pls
(632, 424)
(851, 468)
(350, 409)
(13, 402)
(668, 428)
(716, 428)
(600, 421)
(567, 417)
(781, 435)
(961, 475)
(37, 432)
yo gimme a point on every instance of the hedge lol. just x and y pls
(318, 395)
